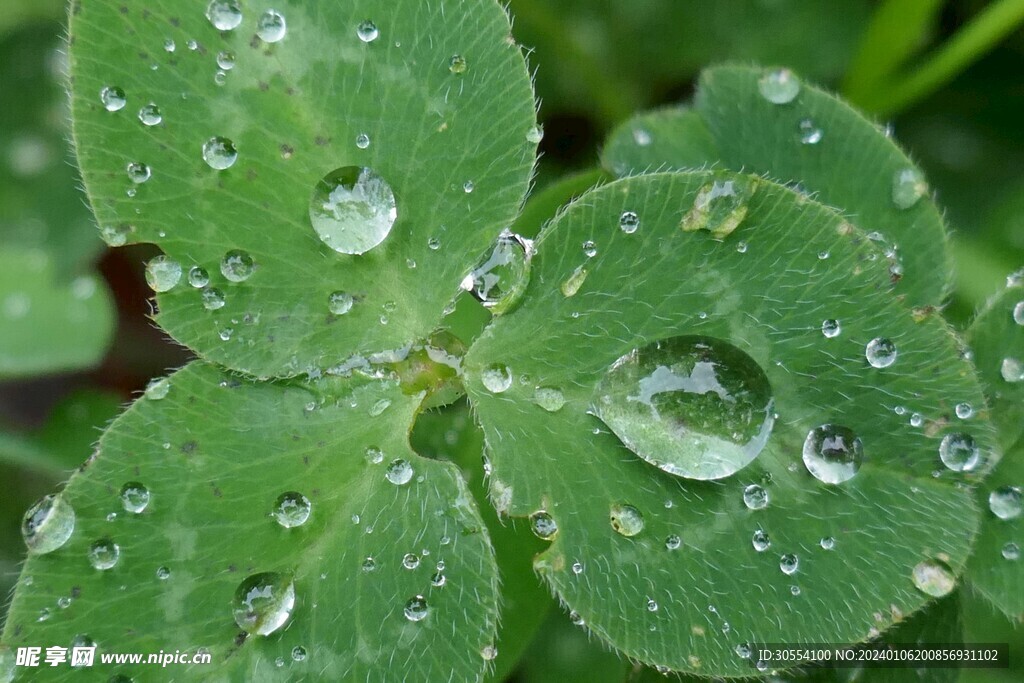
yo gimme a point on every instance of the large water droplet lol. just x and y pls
(237, 265)
(48, 524)
(162, 273)
(219, 153)
(720, 207)
(352, 209)
(113, 98)
(367, 31)
(934, 578)
(271, 26)
(880, 352)
(134, 497)
(549, 398)
(908, 186)
(499, 281)
(104, 554)
(496, 378)
(1006, 502)
(416, 609)
(399, 472)
(263, 602)
(225, 15)
(696, 407)
(626, 519)
(780, 86)
(959, 452)
(291, 509)
(832, 453)
(543, 525)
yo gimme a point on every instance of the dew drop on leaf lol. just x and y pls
(298, 653)
(411, 561)
(134, 497)
(374, 455)
(369, 565)
(352, 209)
(549, 398)
(237, 265)
(499, 281)
(1006, 502)
(340, 303)
(780, 86)
(933, 577)
(367, 31)
(158, 388)
(113, 98)
(574, 282)
(543, 525)
(489, 653)
(162, 273)
(104, 554)
(226, 60)
(496, 378)
(198, 277)
(908, 187)
(219, 153)
(964, 411)
(263, 602)
(399, 472)
(880, 352)
(271, 26)
(832, 453)
(1012, 370)
(213, 299)
(150, 115)
(416, 609)
(362, 141)
(48, 524)
(959, 452)
(291, 509)
(755, 497)
(1018, 313)
(831, 328)
(629, 222)
(535, 135)
(810, 134)
(458, 65)
(626, 520)
(225, 15)
(163, 573)
(827, 543)
(696, 407)
(761, 541)
(719, 207)
(789, 564)
(1011, 551)
(138, 172)
(673, 542)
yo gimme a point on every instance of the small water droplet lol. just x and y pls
(789, 564)
(264, 602)
(489, 653)
(673, 542)
(399, 472)
(367, 31)
(1012, 370)
(908, 187)
(959, 452)
(810, 134)
(780, 86)
(496, 378)
(458, 65)
(964, 411)
(298, 653)
(1018, 313)
(916, 420)
(219, 153)
(1011, 551)
(499, 281)
(574, 282)
(225, 15)
(652, 606)
(237, 265)
(411, 561)
(880, 352)
(271, 26)
(226, 333)
(113, 98)
(416, 609)
(135, 496)
(626, 519)
(48, 524)
(832, 453)
(468, 187)
(374, 455)
(535, 135)
(827, 543)
(291, 509)
(169, 46)
(198, 277)
(629, 222)
(138, 173)
(352, 210)
(163, 573)
(549, 398)
(831, 328)
(162, 273)
(158, 388)
(1006, 502)
(719, 207)
(543, 525)
(213, 299)
(226, 60)
(755, 497)
(104, 554)
(362, 141)
(150, 115)
(934, 578)
(761, 541)
(369, 565)
(577, 568)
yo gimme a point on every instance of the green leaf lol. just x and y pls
(853, 166)
(564, 652)
(766, 290)
(442, 93)
(215, 454)
(49, 325)
(984, 623)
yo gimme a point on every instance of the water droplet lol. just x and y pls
(48, 524)
(549, 398)
(369, 565)
(575, 618)
(696, 407)
(352, 210)
(810, 134)
(163, 573)
(1018, 313)
(458, 65)
(225, 15)
(535, 135)
(673, 542)
(263, 602)
(374, 455)
(416, 609)
(1011, 551)
(496, 378)
(162, 273)
(761, 541)
(1012, 370)
(438, 579)
(115, 235)
(169, 46)
(780, 86)
(219, 153)
(340, 303)
(150, 115)
(104, 554)
(959, 452)
(499, 281)
(411, 561)
(271, 26)
(626, 519)
(964, 411)
(880, 352)
(629, 222)
(135, 496)
(719, 207)
(237, 265)
(362, 141)
(138, 173)
(577, 568)
(468, 187)
(652, 606)
(574, 282)
(832, 453)
(367, 31)
(158, 388)
(908, 186)
(113, 98)
(489, 653)
(827, 543)
(934, 578)
(213, 299)
(1006, 502)
(831, 328)
(198, 277)
(755, 497)
(399, 472)
(916, 420)
(543, 525)
(291, 509)
(226, 60)
(789, 563)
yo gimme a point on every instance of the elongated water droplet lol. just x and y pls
(271, 26)
(237, 265)
(549, 398)
(880, 352)
(263, 602)
(352, 210)
(499, 281)
(225, 15)
(755, 497)
(543, 525)
(48, 524)
(1006, 502)
(573, 283)
(291, 509)
(908, 186)
(163, 273)
(780, 86)
(219, 153)
(367, 31)
(934, 578)
(626, 519)
(496, 378)
(134, 497)
(696, 407)
(833, 454)
(113, 98)
(104, 554)
(720, 207)
(417, 609)
(150, 115)
(959, 452)
(158, 388)
(399, 472)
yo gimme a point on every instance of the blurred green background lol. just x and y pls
(76, 342)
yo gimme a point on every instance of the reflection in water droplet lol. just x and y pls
(291, 509)
(626, 519)
(1006, 502)
(1011, 551)
(399, 472)
(271, 26)
(411, 561)
(832, 453)
(908, 186)
(549, 398)
(416, 609)
(673, 542)
(48, 524)
(162, 273)
(198, 277)
(629, 222)
(264, 602)
(138, 173)
(496, 378)
(959, 452)
(113, 98)
(1012, 370)
(225, 15)
(880, 352)
(499, 281)
(340, 303)
(135, 496)
(964, 411)
(831, 328)
(761, 541)
(352, 210)
(213, 299)
(810, 134)
(367, 31)
(755, 497)
(789, 563)
(543, 525)
(219, 153)
(780, 86)
(150, 115)
(104, 554)
(720, 207)
(237, 265)
(934, 578)
(696, 407)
